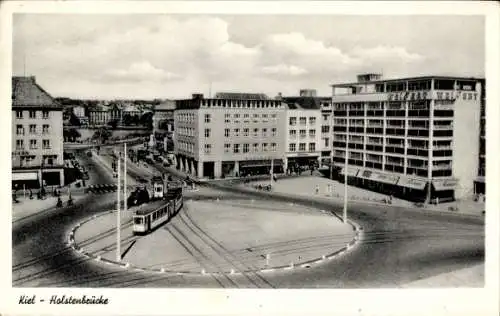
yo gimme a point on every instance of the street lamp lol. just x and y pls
(118, 219)
(344, 214)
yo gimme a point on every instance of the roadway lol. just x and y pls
(399, 246)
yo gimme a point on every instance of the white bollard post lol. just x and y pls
(323, 257)
(268, 256)
(162, 270)
(232, 271)
(202, 271)
(291, 265)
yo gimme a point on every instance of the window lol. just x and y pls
(45, 128)
(303, 121)
(302, 133)
(325, 129)
(19, 114)
(246, 131)
(256, 115)
(312, 132)
(208, 119)
(45, 114)
(264, 132)
(273, 131)
(19, 144)
(264, 146)
(19, 130)
(33, 144)
(227, 148)
(264, 115)
(291, 147)
(46, 144)
(236, 116)
(32, 114)
(207, 132)
(312, 146)
(255, 132)
(292, 133)
(236, 132)
(226, 132)
(246, 115)
(33, 128)
(273, 115)
(312, 120)
(255, 147)
(226, 118)
(302, 147)
(327, 142)
(273, 146)
(236, 148)
(246, 148)
(293, 121)
(325, 117)
(208, 148)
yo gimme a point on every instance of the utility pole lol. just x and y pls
(344, 214)
(272, 170)
(118, 219)
(125, 178)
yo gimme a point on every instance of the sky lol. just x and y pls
(172, 56)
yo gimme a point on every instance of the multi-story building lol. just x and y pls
(231, 134)
(79, 113)
(479, 183)
(411, 137)
(37, 136)
(163, 124)
(99, 116)
(303, 137)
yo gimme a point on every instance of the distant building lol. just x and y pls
(99, 116)
(480, 183)
(163, 118)
(79, 112)
(37, 136)
(232, 134)
(416, 138)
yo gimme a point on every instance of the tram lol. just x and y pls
(150, 216)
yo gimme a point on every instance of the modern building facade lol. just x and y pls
(229, 135)
(303, 124)
(480, 183)
(414, 138)
(37, 136)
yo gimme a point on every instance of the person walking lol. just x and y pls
(317, 189)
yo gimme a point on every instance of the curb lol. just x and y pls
(299, 265)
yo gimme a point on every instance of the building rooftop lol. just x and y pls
(349, 84)
(27, 93)
(306, 103)
(167, 105)
(241, 96)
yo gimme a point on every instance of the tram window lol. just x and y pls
(138, 220)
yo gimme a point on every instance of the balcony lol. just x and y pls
(441, 166)
(444, 127)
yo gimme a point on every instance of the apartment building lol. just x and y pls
(229, 135)
(37, 136)
(480, 183)
(303, 125)
(416, 138)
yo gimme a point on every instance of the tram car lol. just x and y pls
(151, 215)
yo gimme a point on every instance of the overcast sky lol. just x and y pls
(173, 56)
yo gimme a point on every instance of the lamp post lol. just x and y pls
(344, 214)
(125, 177)
(118, 219)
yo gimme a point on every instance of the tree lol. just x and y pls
(71, 134)
(147, 120)
(74, 121)
(102, 134)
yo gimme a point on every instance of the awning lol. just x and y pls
(351, 172)
(379, 176)
(25, 176)
(445, 184)
(260, 163)
(480, 179)
(412, 183)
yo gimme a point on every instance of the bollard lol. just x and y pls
(217, 200)
(202, 271)
(268, 257)
(323, 257)
(232, 271)
(162, 270)
(98, 258)
(291, 265)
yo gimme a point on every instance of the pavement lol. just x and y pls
(256, 236)
(468, 277)
(306, 186)
(26, 207)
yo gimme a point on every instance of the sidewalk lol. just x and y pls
(27, 207)
(468, 277)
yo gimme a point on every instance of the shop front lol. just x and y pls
(259, 167)
(25, 180)
(479, 185)
(378, 181)
(412, 188)
(443, 190)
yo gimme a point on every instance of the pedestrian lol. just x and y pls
(328, 189)
(317, 188)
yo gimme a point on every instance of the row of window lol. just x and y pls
(32, 129)
(33, 114)
(302, 133)
(292, 121)
(302, 146)
(33, 144)
(244, 148)
(29, 160)
(246, 132)
(189, 117)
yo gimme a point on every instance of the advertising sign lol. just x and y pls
(25, 176)
(351, 172)
(411, 183)
(445, 184)
(379, 177)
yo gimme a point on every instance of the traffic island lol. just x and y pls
(221, 236)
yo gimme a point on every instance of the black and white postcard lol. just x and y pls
(262, 158)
